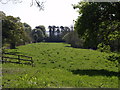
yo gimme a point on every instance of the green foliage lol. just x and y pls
(28, 30)
(98, 22)
(42, 28)
(103, 48)
(2, 15)
(10, 30)
(114, 57)
(64, 30)
(39, 33)
(109, 33)
(57, 65)
(13, 31)
(73, 39)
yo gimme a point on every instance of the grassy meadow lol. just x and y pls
(59, 65)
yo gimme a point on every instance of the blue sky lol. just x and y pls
(56, 12)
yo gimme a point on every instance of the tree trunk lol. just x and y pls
(12, 45)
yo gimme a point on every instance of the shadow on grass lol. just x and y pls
(74, 47)
(80, 47)
(92, 72)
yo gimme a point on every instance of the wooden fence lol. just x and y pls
(19, 58)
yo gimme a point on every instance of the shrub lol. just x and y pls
(114, 57)
(103, 47)
(73, 39)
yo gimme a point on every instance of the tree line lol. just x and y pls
(98, 25)
(14, 32)
(56, 33)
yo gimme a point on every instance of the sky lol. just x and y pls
(56, 12)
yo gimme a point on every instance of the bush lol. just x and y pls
(114, 57)
(103, 48)
(73, 39)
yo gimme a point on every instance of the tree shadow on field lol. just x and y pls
(80, 47)
(93, 72)
(74, 47)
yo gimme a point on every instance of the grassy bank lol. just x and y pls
(59, 65)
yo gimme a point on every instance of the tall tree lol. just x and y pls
(58, 32)
(28, 29)
(39, 33)
(12, 31)
(42, 27)
(92, 16)
(50, 31)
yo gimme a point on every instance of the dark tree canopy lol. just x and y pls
(39, 33)
(28, 30)
(42, 27)
(13, 31)
(56, 33)
(97, 22)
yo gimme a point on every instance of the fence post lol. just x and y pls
(2, 57)
(18, 58)
(32, 62)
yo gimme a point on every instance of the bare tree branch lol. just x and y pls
(33, 2)
(40, 4)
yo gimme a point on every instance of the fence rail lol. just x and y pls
(19, 58)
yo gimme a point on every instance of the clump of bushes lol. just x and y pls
(103, 47)
(114, 57)
(73, 39)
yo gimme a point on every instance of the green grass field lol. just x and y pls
(59, 65)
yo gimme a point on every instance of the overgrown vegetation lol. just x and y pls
(59, 65)
(13, 31)
(99, 25)
(73, 39)
(38, 34)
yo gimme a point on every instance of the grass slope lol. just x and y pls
(59, 65)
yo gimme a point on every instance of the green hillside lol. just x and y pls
(59, 65)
